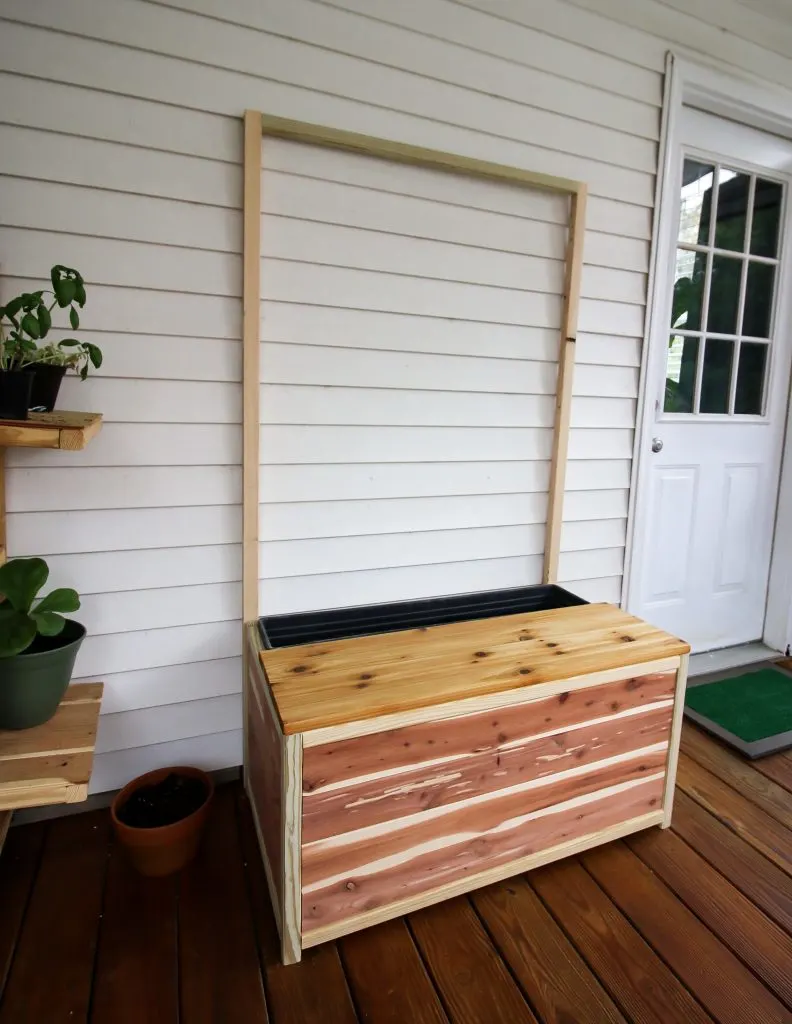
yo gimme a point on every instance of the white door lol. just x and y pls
(719, 382)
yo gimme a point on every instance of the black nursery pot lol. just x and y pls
(46, 385)
(15, 388)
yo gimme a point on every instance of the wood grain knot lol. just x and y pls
(563, 698)
(526, 671)
(551, 644)
(361, 686)
(632, 684)
(350, 887)
(625, 638)
(482, 654)
(366, 675)
(525, 636)
(300, 668)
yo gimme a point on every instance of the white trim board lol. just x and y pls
(751, 102)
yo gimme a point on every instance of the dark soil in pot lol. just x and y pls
(163, 803)
(46, 385)
(15, 388)
(159, 817)
(32, 684)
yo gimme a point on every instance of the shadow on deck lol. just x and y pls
(689, 925)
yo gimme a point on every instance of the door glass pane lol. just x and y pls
(732, 210)
(716, 376)
(696, 202)
(766, 218)
(758, 300)
(688, 289)
(750, 378)
(724, 295)
(681, 365)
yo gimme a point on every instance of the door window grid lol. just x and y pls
(694, 254)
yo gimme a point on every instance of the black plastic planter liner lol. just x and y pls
(339, 623)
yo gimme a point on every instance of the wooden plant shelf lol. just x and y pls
(50, 764)
(70, 431)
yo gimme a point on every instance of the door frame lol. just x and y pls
(755, 104)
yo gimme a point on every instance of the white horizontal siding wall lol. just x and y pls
(120, 142)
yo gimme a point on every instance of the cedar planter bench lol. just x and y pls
(390, 770)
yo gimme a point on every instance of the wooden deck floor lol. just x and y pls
(689, 925)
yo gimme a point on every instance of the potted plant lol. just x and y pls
(30, 376)
(159, 817)
(37, 644)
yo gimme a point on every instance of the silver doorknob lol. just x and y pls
(657, 444)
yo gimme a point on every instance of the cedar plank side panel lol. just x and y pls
(265, 772)
(362, 887)
(493, 761)
(346, 759)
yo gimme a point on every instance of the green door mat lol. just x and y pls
(752, 712)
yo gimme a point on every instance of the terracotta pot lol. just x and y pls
(161, 851)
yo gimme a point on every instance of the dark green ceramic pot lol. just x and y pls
(32, 684)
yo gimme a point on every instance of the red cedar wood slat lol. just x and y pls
(18, 866)
(759, 943)
(355, 893)
(265, 779)
(485, 730)
(556, 979)
(388, 978)
(739, 774)
(394, 796)
(50, 978)
(755, 826)
(329, 857)
(136, 976)
(219, 969)
(313, 991)
(746, 868)
(627, 966)
(472, 980)
(718, 979)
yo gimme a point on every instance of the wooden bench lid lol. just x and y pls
(339, 681)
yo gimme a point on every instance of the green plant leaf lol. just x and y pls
(94, 354)
(17, 633)
(45, 320)
(14, 306)
(21, 579)
(79, 293)
(64, 289)
(30, 325)
(48, 623)
(64, 599)
(74, 318)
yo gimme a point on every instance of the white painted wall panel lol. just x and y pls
(411, 321)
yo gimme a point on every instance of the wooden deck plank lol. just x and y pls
(554, 976)
(313, 991)
(777, 767)
(473, 982)
(627, 966)
(749, 821)
(747, 869)
(758, 941)
(387, 977)
(51, 976)
(219, 967)
(740, 774)
(137, 961)
(731, 993)
(18, 866)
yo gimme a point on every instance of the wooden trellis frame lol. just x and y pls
(257, 125)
